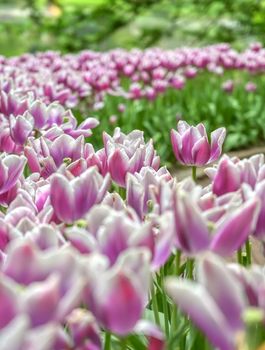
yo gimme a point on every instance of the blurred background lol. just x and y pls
(73, 25)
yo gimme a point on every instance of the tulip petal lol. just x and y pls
(217, 140)
(214, 276)
(236, 228)
(195, 301)
(62, 198)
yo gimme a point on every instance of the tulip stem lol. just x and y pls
(122, 192)
(239, 256)
(194, 173)
(248, 251)
(155, 306)
(189, 267)
(107, 345)
(177, 262)
(174, 320)
(165, 306)
(123, 343)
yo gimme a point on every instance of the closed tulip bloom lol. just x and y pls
(191, 145)
(250, 87)
(72, 199)
(84, 330)
(228, 86)
(118, 298)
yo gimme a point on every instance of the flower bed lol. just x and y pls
(105, 249)
(137, 89)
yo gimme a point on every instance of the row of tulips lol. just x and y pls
(124, 88)
(133, 74)
(105, 249)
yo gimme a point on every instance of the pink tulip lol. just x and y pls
(107, 297)
(72, 199)
(128, 154)
(11, 169)
(191, 145)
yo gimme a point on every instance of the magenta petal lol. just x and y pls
(33, 160)
(189, 138)
(15, 166)
(191, 229)
(217, 140)
(41, 300)
(39, 113)
(118, 166)
(155, 335)
(214, 275)
(177, 145)
(201, 152)
(62, 198)
(12, 336)
(227, 177)
(121, 316)
(21, 128)
(260, 227)
(198, 304)
(8, 303)
(236, 228)
(62, 148)
(135, 195)
(85, 192)
(182, 126)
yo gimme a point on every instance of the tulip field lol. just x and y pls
(102, 247)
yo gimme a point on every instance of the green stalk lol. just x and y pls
(123, 343)
(107, 344)
(248, 251)
(122, 192)
(165, 306)
(177, 262)
(155, 306)
(189, 267)
(239, 256)
(174, 320)
(194, 173)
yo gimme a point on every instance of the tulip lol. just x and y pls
(11, 169)
(230, 173)
(20, 128)
(128, 154)
(230, 231)
(138, 191)
(191, 145)
(45, 156)
(217, 311)
(228, 86)
(107, 297)
(84, 330)
(250, 87)
(72, 199)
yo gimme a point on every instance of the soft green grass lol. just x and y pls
(82, 2)
(202, 100)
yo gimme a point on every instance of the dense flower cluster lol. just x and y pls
(90, 75)
(89, 237)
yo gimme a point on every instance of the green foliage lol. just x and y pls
(104, 24)
(202, 100)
